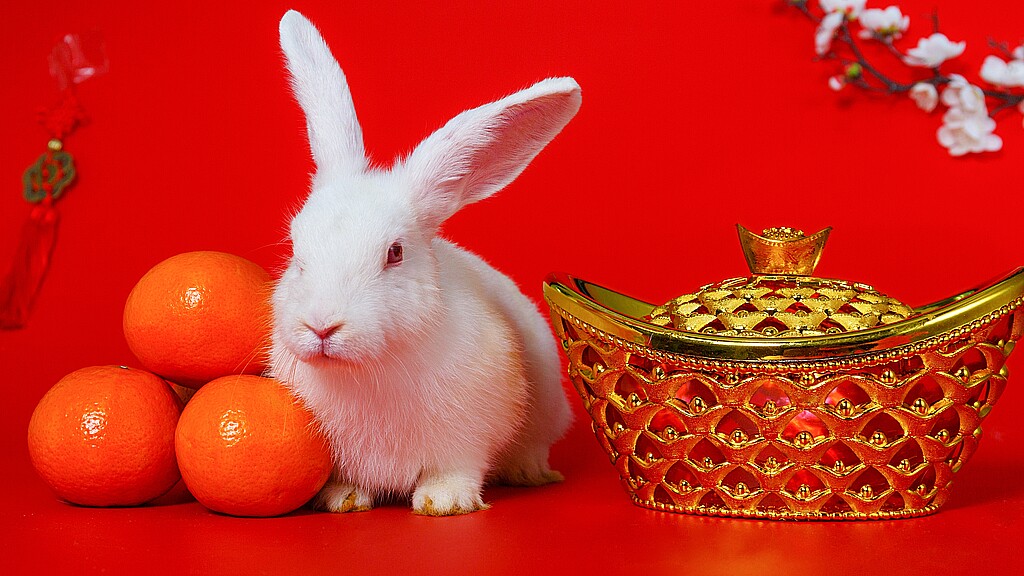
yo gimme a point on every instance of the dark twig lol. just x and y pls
(843, 35)
(1003, 106)
(801, 5)
(1002, 47)
(892, 49)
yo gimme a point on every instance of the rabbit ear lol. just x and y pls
(335, 137)
(480, 151)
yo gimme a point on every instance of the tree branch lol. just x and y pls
(1006, 99)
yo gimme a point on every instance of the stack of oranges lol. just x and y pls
(199, 324)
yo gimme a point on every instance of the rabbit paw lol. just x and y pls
(532, 476)
(445, 495)
(339, 497)
(527, 470)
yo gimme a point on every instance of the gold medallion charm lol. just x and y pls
(50, 175)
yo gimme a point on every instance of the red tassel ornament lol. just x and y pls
(45, 181)
(74, 59)
(31, 260)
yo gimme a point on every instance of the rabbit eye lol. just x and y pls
(395, 254)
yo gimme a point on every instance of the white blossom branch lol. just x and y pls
(967, 124)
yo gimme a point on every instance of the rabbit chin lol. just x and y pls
(335, 352)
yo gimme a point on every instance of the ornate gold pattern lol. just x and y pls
(780, 300)
(779, 306)
(782, 250)
(869, 421)
(869, 442)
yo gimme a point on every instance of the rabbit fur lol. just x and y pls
(429, 371)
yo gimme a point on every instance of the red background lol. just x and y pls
(696, 116)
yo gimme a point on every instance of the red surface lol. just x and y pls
(696, 116)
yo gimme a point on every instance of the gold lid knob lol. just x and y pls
(782, 250)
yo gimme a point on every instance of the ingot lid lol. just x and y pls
(781, 298)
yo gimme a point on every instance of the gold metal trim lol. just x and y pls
(865, 425)
(617, 318)
(787, 515)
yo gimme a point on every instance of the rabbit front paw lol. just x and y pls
(341, 497)
(447, 495)
(529, 476)
(527, 466)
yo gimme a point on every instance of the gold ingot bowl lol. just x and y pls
(786, 396)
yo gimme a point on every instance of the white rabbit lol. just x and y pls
(428, 369)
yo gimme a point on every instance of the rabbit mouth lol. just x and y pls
(322, 352)
(312, 350)
(321, 359)
(336, 363)
(329, 353)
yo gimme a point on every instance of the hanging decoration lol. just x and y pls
(74, 59)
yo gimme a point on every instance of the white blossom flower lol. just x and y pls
(837, 82)
(966, 126)
(885, 23)
(851, 7)
(962, 94)
(925, 96)
(826, 31)
(962, 132)
(934, 50)
(1008, 74)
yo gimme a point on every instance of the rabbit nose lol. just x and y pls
(325, 332)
